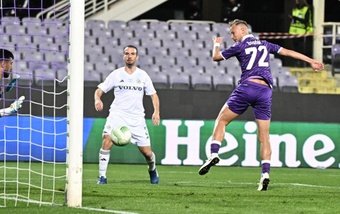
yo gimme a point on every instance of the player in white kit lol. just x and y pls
(129, 84)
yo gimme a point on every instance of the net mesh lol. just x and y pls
(33, 142)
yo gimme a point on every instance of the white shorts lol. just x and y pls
(137, 126)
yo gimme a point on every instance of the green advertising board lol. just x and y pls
(187, 142)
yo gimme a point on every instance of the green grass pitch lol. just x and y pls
(182, 190)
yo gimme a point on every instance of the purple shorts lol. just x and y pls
(251, 94)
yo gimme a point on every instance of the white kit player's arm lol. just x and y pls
(13, 108)
(98, 104)
(155, 115)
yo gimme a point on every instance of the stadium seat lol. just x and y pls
(186, 35)
(103, 68)
(157, 52)
(165, 34)
(143, 60)
(212, 67)
(233, 69)
(92, 78)
(2, 31)
(10, 20)
(57, 31)
(90, 40)
(193, 70)
(223, 82)
(38, 39)
(220, 29)
(5, 39)
(34, 30)
(172, 43)
(201, 81)
(95, 24)
(335, 59)
(179, 26)
(21, 39)
(171, 69)
(47, 47)
(44, 77)
(144, 33)
(33, 65)
(165, 60)
(88, 67)
(151, 69)
(180, 81)
(20, 66)
(176, 52)
(59, 39)
(25, 47)
(135, 24)
(100, 33)
(53, 22)
(124, 41)
(116, 24)
(160, 80)
(32, 56)
(159, 26)
(15, 30)
(93, 50)
(202, 54)
(31, 22)
(186, 61)
(201, 27)
(289, 84)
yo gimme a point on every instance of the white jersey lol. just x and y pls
(129, 91)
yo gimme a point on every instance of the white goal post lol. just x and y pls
(41, 145)
(75, 104)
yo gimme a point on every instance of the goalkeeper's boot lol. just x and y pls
(154, 178)
(264, 182)
(102, 180)
(212, 161)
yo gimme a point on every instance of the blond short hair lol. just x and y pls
(238, 22)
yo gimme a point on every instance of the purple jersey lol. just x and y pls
(253, 55)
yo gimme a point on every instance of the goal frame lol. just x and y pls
(75, 88)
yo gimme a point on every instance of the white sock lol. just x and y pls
(104, 157)
(152, 162)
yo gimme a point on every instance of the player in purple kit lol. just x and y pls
(254, 89)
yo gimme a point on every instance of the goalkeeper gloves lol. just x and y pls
(13, 108)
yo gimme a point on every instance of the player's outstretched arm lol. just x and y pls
(13, 108)
(316, 65)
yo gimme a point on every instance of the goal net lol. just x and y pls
(37, 142)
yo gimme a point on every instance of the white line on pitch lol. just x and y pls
(105, 210)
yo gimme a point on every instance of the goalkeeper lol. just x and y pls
(6, 62)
